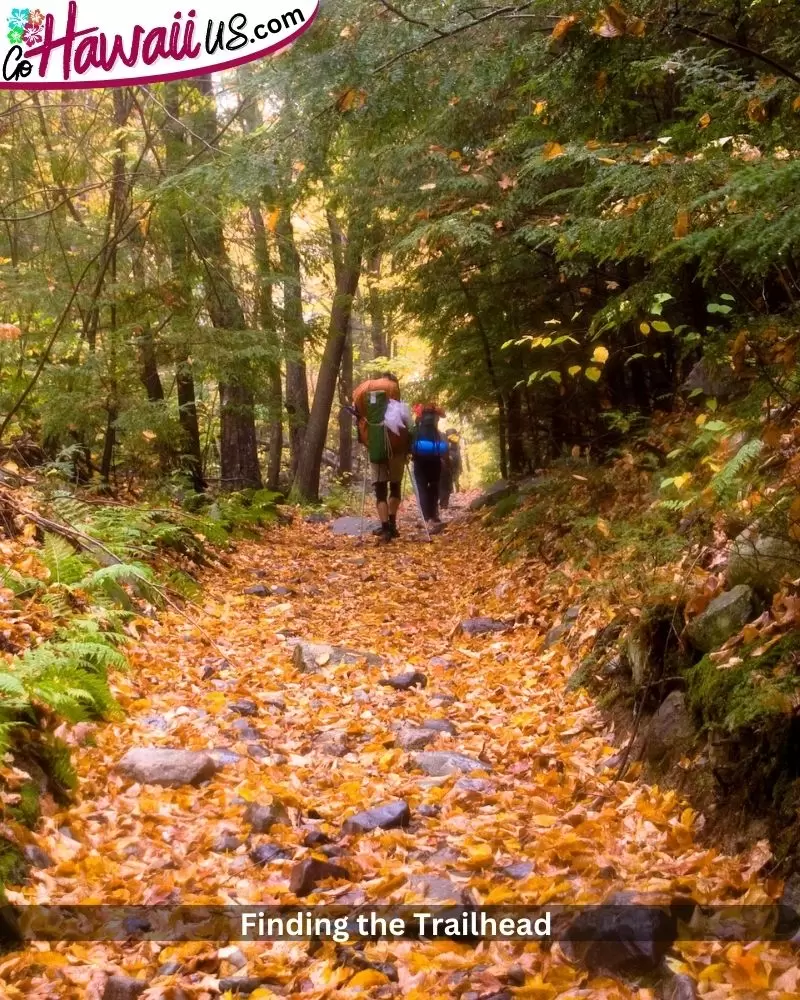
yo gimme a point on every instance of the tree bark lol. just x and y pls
(297, 405)
(346, 251)
(175, 159)
(345, 468)
(238, 444)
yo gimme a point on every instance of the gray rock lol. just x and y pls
(383, 817)
(556, 633)
(409, 738)
(256, 751)
(155, 721)
(244, 706)
(435, 889)
(491, 495)
(333, 744)
(169, 968)
(402, 682)
(317, 517)
(723, 617)
(711, 379)
(307, 874)
(440, 762)
(223, 756)
(571, 614)
(279, 591)
(243, 985)
(225, 843)
(440, 661)
(519, 870)
(307, 656)
(263, 818)
(482, 626)
(264, 853)
(123, 988)
(274, 701)
(354, 526)
(170, 768)
(762, 562)
(670, 732)
(316, 838)
(473, 786)
(439, 726)
(257, 590)
(428, 810)
(36, 857)
(244, 731)
(680, 987)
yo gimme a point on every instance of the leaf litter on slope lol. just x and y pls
(546, 797)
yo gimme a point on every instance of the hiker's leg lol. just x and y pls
(394, 498)
(422, 470)
(381, 498)
(435, 475)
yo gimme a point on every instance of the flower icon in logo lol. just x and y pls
(35, 18)
(16, 24)
(33, 34)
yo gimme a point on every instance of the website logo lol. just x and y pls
(89, 43)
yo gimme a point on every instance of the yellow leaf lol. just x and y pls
(593, 374)
(539, 108)
(644, 328)
(369, 977)
(600, 355)
(574, 369)
(796, 104)
(704, 121)
(552, 150)
(479, 855)
(680, 481)
(701, 419)
(602, 527)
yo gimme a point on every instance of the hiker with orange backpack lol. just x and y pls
(383, 428)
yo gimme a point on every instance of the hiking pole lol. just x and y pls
(419, 502)
(363, 505)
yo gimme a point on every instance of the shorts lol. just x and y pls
(390, 471)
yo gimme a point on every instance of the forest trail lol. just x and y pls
(543, 821)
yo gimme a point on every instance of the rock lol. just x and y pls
(572, 614)
(317, 517)
(244, 731)
(263, 818)
(723, 617)
(435, 889)
(277, 590)
(440, 661)
(274, 701)
(234, 956)
(409, 738)
(402, 682)
(243, 985)
(473, 786)
(429, 811)
(306, 875)
(439, 726)
(36, 857)
(308, 657)
(225, 843)
(354, 526)
(123, 988)
(789, 907)
(244, 706)
(315, 838)
(491, 495)
(482, 626)
(334, 743)
(620, 936)
(155, 721)
(762, 562)
(440, 762)
(357, 960)
(256, 751)
(519, 870)
(680, 987)
(170, 768)
(383, 817)
(556, 633)
(223, 756)
(257, 590)
(264, 853)
(670, 732)
(169, 968)
(711, 379)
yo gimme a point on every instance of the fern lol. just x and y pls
(60, 559)
(19, 585)
(724, 481)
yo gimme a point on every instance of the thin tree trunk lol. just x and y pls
(175, 150)
(345, 420)
(346, 252)
(238, 444)
(297, 404)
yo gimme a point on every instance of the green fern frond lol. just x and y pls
(725, 479)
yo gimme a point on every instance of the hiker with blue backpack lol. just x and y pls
(428, 446)
(384, 423)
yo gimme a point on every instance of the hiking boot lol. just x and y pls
(393, 531)
(384, 535)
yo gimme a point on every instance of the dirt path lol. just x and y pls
(543, 822)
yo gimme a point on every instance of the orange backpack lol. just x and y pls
(364, 398)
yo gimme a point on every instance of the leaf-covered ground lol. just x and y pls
(546, 803)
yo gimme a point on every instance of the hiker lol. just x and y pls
(427, 448)
(451, 469)
(383, 429)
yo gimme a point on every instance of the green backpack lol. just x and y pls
(377, 441)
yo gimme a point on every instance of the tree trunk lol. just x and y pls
(297, 406)
(346, 251)
(238, 444)
(345, 469)
(516, 446)
(175, 159)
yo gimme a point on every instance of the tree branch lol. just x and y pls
(409, 19)
(737, 47)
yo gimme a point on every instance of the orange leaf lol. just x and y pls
(704, 121)
(564, 26)
(681, 227)
(552, 150)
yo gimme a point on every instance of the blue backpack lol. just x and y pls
(427, 439)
